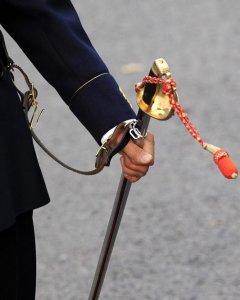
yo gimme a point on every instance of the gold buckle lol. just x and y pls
(34, 104)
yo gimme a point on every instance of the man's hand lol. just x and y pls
(136, 160)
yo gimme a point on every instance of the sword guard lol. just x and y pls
(159, 107)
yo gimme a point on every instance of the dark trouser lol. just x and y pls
(18, 260)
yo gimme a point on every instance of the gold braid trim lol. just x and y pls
(86, 83)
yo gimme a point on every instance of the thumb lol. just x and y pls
(138, 155)
(149, 145)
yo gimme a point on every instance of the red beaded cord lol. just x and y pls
(221, 157)
(168, 88)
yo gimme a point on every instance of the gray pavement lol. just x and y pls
(180, 235)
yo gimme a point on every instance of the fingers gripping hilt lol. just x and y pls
(164, 103)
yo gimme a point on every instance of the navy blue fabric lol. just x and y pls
(22, 186)
(51, 35)
(18, 260)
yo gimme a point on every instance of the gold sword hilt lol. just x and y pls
(159, 107)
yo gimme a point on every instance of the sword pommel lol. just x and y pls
(160, 68)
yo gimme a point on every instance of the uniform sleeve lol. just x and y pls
(51, 35)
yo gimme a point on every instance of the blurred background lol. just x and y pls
(180, 237)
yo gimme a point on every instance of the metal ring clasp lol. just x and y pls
(134, 131)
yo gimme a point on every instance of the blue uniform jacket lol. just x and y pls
(51, 35)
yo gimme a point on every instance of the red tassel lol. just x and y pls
(220, 156)
(225, 164)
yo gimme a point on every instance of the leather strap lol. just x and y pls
(104, 155)
(115, 144)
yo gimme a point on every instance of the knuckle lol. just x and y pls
(145, 173)
(130, 165)
(152, 162)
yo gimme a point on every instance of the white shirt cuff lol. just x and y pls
(108, 134)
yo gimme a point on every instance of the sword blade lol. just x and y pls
(114, 223)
